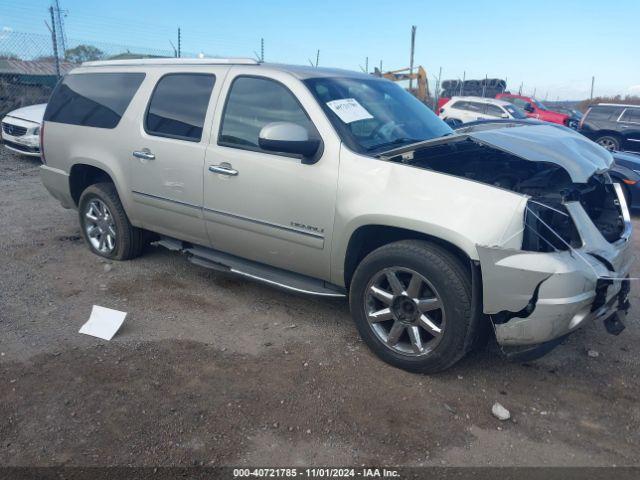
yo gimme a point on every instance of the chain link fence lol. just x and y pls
(29, 67)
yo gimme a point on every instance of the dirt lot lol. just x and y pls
(214, 370)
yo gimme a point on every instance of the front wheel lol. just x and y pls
(411, 301)
(105, 225)
(609, 142)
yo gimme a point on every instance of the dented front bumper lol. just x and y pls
(534, 297)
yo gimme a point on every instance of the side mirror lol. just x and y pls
(287, 137)
(528, 108)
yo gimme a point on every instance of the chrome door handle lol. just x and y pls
(144, 154)
(224, 169)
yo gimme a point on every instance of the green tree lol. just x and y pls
(83, 53)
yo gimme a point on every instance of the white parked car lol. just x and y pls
(21, 129)
(470, 109)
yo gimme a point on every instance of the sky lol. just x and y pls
(551, 47)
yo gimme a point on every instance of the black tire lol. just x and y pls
(129, 240)
(609, 142)
(453, 284)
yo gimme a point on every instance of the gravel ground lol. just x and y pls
(210, 369)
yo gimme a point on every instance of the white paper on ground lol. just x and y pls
(349, 110)
(103, 322)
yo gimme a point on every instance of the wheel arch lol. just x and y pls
(82, 175)
(607, 133)
(367, 238)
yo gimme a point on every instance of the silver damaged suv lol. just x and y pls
(340, 184)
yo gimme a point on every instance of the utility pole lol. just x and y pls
(484, 85)
(464, 77)
(179, 42)
(520, 89)
(262, 49)
(505, 84)
(380, 67)
(58, 23)
(55, 42)
(413, 45)
(593, 80)
(437, 94)
(366, 64)
(317, 58)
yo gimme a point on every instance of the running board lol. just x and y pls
(224, 262)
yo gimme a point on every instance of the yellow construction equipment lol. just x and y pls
(421, 91)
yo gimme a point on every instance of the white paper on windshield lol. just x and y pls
(103, 322)
(349, 110)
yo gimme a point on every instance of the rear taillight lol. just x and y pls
(42, 143)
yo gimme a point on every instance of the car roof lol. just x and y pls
(623, 105)
(493, 101)
(299, 71)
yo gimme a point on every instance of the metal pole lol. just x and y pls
(55, 43)
(413, 45)
(179, 43)
(380, 67)
(262, 49)
(317, 58)
(464, 77)
(366, 64)
(505, 84)
(437, 94)
(484, 85)
(593, 79)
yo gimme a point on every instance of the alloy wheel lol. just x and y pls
(608, 144)
(405, 311)
(100, 226)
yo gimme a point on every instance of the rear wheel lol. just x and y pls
(411, 301)
(105, 225)
(609, 142)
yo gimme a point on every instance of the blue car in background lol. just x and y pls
(625, 170)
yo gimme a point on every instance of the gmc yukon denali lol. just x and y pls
(341, 184)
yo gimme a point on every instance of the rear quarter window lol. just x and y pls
(178, 106)
(604, 113)
(92, 99)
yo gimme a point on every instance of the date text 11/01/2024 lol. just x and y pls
(315, 472)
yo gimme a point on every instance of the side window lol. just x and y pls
(178, 106)
(631, 115)
(604, 112)
(92, 99)
(494, 110)
(476, 107)
(460, 106)
(251, 104)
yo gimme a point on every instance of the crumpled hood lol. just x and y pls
(32, 113)
(578, 155)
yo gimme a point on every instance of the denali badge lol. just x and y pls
(311, 228)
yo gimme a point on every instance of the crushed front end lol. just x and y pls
(573, 267)
(570, 261)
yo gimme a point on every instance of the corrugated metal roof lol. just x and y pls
(33, 67)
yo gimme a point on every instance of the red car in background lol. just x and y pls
(535, 109)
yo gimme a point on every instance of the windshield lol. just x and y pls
(539, 104)
(515, 111)
(374, 115)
